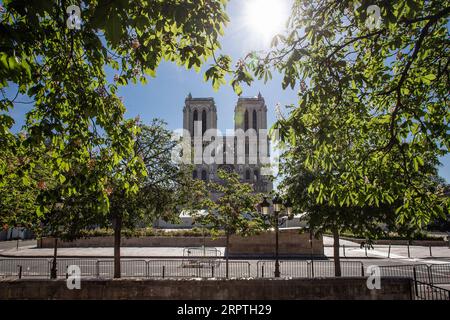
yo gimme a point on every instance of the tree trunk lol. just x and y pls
(337, 259)
(226, 253)
(53, 272)
(117, 235)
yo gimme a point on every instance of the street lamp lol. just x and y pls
(277, 206)
(265, 205)
(288, 205)
(277, 201)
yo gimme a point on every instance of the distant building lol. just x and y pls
(250, 117)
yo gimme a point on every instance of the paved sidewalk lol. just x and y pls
(12, 244)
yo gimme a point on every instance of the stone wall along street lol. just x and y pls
(197, 289)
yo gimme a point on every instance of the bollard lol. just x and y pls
(163, 271)
(262, 271)
(389, 251)
(312, 268)
(362, 270)
(409, 255)
(365, 249)
(20, 271)
(212, 271)
(343, 247)
(430, 252)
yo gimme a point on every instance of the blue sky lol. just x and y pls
(163, 96)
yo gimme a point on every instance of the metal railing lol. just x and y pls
(440, 273)
(419, 272)
(128, 268)
(104, 268)
(427, 291)
(309, 268)
(88, 267)
(288, 268)
(198, 268)
(207, 267)
(25, 268)
(201, 252)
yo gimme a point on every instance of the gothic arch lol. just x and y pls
(246, 120)
(195, 115)
(195, 118)
(203, 121)
(255, 121)
(204, 175)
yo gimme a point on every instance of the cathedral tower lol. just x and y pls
(199, 109)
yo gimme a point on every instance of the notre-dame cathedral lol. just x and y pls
(250, 114)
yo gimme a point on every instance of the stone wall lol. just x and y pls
(253, 289)
(290, 243)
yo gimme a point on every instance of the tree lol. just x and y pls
(18, 193)
(233, 211)
(372, 101)
(21, 196)
(160, 192)
(60, 67)
(366, 216)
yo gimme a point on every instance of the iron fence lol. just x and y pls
(288, 268)
(201, 252)
(427, 291)
(419, 272)
(197, 268)
(129, 268)
(309, 268)
(212, 267)
(440, 274)
(88, 267)
(25, 268)
(140, 268)
(184, 268)
(348, 268)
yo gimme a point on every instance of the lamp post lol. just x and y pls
(277, 206)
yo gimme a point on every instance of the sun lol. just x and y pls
(266, 18)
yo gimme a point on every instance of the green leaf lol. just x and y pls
(114, 28)
(428, 78)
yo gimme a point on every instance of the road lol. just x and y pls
(12, 244)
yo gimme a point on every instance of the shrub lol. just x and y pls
(151, 232)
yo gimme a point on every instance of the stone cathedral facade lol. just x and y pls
(250, 114)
